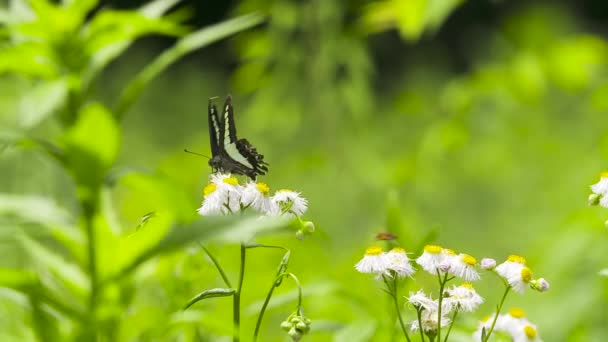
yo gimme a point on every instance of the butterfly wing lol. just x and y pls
(229, 139)
(215, 130)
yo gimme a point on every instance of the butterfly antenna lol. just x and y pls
(196, 154)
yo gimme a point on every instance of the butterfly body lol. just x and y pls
(230, 154)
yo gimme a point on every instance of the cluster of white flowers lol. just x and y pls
(376, 261)
(599, 191)
(462, 298)
(446, 265)
(224, 195)
(513, 324)
(437, 260)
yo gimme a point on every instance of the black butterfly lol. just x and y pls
(228, 153)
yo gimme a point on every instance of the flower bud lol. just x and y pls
(309, 226)
(301, 326)
(594, 199)
(540, 285)
(286, 325)
(488, 263)
(300, 234)
(444, 267)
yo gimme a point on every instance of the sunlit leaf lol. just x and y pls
(212, 293)
(189, 43)
(42, 101)
(91, 145)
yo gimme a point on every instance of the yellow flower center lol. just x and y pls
(517, 258)
(263, 187)
(286, 190)
(373, 250)
(209, 188)
(604, 174)
(469, 260)
(398, 250)
(432, 249)
(448, 251)
(231, 181)
(530, 331)
(517, 312)
(467, 285)
(526, 274)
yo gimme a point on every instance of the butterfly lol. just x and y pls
(228, 153)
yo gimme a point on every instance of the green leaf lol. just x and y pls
(91, 145)
(213, 293)
(105, 55)
(362, 330)
(17, 278)
(41, 101)
(33, 59)
(224, 229)
(189, 43)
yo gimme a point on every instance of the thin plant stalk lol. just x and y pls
(442, 283)
(217, 265)
(393, 292)
(236, 303)
(451, 324)
(419, 314)
(498, 308)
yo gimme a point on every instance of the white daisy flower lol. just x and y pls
(484, 324)
(525, 333)
(515, 272)
(373, 262)
(540, 285)
(429, 321)
(396, 260)
(255, 196)
(222, 196)
(431, 258)
(463, 297)
(488, 263)
(601, 187)
(463, 266)
(287, 201)
(421, 300)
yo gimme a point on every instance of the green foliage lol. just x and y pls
(491, 159)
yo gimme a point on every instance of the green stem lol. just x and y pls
(498, 308)
(451, 324)
(419, 312)
(258, 323)
(295, 279)
(442, 283)
(393, 290)
(89, 208)
(236, 304)
(217, 265)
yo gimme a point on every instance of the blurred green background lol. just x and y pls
(477, 125)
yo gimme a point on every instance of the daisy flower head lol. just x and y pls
(221, 196)
(429, 320)
(256, 196)
(288, 202)
(601, 187)
(431, 259)
(373, 262)
(484, 324)
(463, 297)
(397, 261)
(525, 333)
(463, 266)
(515, 272)
(421, 300)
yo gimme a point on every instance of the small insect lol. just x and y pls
(386, 236)
(228, 153)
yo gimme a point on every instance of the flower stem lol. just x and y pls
(498, 308)
(451, 325)
(258, 323)
(442, 283)
(236, 303)
(217, 265)
(419, 314)
(393, 291)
